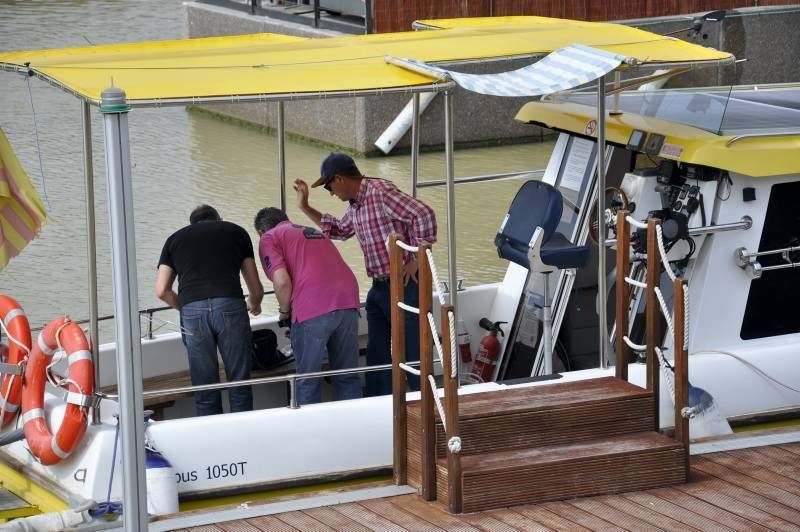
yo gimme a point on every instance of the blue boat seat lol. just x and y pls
(538, 205)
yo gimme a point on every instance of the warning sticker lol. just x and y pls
(591, 127)
(673, 151)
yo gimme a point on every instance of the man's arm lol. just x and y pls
(282, 283)
(164, 282)
(255, 290)
(301, 187)
(420, 219)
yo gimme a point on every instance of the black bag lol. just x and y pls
(265, 350)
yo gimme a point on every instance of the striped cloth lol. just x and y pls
(21, 211)
(563, 69)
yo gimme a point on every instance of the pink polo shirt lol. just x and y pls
(321, 280)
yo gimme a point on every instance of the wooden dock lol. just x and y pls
(749, 489)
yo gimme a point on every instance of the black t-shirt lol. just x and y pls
(207, 257)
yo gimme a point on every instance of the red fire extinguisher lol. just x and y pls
(487, 352)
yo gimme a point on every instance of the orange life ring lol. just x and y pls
(50, 449)
(19, 346)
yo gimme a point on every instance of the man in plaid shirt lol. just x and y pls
(376, 208)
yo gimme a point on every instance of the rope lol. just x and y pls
(406, 367)
(438, 401)
(403, 245)
(451, 317)
(407, 308)
(685, 318)
(11, 338)
(635, 283)
(636, 223)
(665, 311)
(38, 147)
(635, 347)
(663, 253)
(756, 369)
(435, 274)
(435, 336)
(109, 510)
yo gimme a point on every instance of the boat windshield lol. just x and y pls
(720, 110)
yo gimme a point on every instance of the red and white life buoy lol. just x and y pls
(18, 330)
(48, 448)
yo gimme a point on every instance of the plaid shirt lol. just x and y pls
(379, 210)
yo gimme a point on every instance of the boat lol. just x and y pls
(705, 162)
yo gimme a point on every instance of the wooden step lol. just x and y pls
(610, 465)
(518, 418)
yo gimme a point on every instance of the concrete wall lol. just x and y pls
(766, 37)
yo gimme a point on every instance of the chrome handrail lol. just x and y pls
(486, 177)
(290, 378)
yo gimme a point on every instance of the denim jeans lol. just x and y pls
(379, 335)
(333, 336)
(218, 323)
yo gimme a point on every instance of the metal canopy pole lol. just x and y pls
(414, 143)
(115, 109)
(282, 155)
(601, 223)
(451, 199)
(91, 243)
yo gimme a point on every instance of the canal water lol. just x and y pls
(181, 159)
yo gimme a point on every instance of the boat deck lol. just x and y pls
(752, 488)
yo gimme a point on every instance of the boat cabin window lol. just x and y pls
(773, 304)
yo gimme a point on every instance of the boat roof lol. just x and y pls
(748, 130)
(284, 67)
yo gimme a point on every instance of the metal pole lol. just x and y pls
(316, 13)
(601, 224)
(451, 200)
(368, 7)
(129, 348)
(91, 244)
(282, 155)
(414, 144)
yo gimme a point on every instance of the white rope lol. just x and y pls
(438, 401)
(407, 308)
(403, 245)
(435, 275)
(451, 317)
(662, 251)
(409, 369)
(750, 365)
(38, 147)
(454, 445)
(636, 283)
(686, 318)
(635, 347)
(435, 336)
(636, 223)
(11, 338)
(665, 311)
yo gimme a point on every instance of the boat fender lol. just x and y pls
(50, 449)
(162, 487)
(16, 326)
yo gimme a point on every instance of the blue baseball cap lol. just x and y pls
(335, 163)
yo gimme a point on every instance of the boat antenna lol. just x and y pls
(36, 136)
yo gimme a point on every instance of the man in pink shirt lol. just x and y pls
(318, 293)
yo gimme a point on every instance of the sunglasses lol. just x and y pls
(327, 184)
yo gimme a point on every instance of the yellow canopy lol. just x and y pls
(267, 64)
(757, 157)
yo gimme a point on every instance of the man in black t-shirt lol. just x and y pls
(207, 256)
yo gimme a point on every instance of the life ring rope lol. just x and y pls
(14, 324)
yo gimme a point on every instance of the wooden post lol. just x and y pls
(399, 412)
(681, 362)
(454, 495)
(623, 295)
(653, 317)
(427, 420)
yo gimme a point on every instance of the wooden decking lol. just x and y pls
(747, 489)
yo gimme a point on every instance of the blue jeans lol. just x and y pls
(333, 336)
(379, 335)
(209, 324)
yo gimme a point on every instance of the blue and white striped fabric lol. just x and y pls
(563, 69)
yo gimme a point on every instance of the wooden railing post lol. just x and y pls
(428, 429)
(454, 495)
(623, 294)
(681, 362)
(399, 413)
(653, 317)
